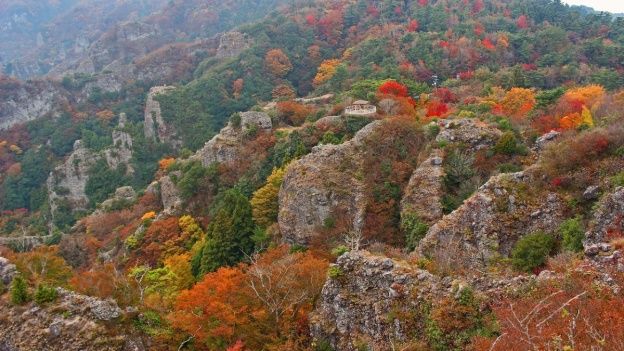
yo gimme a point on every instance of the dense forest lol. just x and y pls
(215, 247)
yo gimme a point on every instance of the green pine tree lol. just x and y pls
(19, 291)
(229, 234)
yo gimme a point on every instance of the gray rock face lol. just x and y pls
(471, 132)
(423, 194)
(321, 185)
(122, 194)
(66, 183)
(154, 126)
(355, 306)
(28, 101)
(546, 139)
(231, 44)
(73, 323)
(490, 222)
(170, 195)
(7, 271)
(81, 304)
(226, 146)
(608, 218)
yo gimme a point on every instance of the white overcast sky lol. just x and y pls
(616, 6)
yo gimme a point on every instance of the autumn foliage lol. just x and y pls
(326, 71)
(278, 63)
(393, 88)
(293, 113)
(258, 304)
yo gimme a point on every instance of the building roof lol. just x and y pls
(361, 102)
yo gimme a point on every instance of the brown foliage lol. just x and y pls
(277, 62)
(293, 113)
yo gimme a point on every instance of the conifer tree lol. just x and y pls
(229, 234)
(19, 291)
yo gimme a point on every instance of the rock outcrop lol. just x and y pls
(170, 195)
(607, 224)
(490, 222)
(324, 184)
(470, 132)
(74, 323)
(356, 303)
(423, 194)
(7, 271)
(66, 183)
(123, 195)
(23, 102)
(227, 145)
(231, 44)
(154, 125)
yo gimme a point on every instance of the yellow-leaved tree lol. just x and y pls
(326, 71)
(264, 202)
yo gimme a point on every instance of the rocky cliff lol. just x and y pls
(66, 183)
(154, 125)
(74, 322)
(361, 304)
(490, 222)
(22, 102)
(227, 146)
(322, 185)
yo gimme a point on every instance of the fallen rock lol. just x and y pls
(591, 193)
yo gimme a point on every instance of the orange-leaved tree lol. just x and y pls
(278, 63)
(326, 71)
(260, 304)
(518, 102)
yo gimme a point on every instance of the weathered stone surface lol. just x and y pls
(490, 222)
(124, 193)
(154, 125)
(322, 184)
(227, 145)
(591, 193)
(423, 194)
(231, 44)
(7, 271)
(355, 306)
(470, 132)
(608, 218)
(104, 310)
(73, 323)
(170, 195)
(28, 101)
(546, 139)
(66, 183)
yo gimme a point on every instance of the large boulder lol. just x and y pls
(489, 223)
